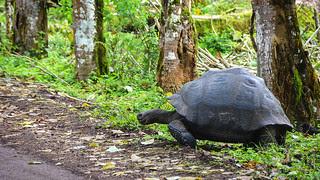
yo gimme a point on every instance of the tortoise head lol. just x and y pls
(151, 116)
(146, 117)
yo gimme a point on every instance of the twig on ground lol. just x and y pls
(77, 99)
(207, 61)
(45, 70)
(35, 64)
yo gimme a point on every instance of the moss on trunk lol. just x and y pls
(100, 50)
(283, 63)
(30, 27)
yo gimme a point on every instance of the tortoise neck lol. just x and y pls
(165, 117)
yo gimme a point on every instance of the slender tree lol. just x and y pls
(9, 6)
(282, 61)
(316, 17)
(30, 25)
(176, 65)
(88, 38)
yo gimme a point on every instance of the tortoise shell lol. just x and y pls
(229, 101)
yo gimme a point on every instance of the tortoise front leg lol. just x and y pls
(181, 134)
(157, 116)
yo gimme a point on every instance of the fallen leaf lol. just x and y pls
(119, 173)
(93, 159)
(85, 105)
(68, 133)
(113, 149)
(141, 133)
(244, 177)
(79, 147)
(93, 145)
(87, 138)
(250, 165)
(194, 167)
(148, 142)
(99, 137)
(34, 114)
(52, 120)
(120, 141)
(128, 88)
(109, 165)
(98, 163)
(117, 132)
(34, 162)
(173, 178)
(135, 158)
(26, 123)
(46, 150)
(154, 168)
(190, 156)
(40, 131)
(190, 178)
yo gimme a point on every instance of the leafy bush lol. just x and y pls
(223, 6)
(126, 16)
(129, 54)
(222, 42)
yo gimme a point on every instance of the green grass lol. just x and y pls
(299, 158)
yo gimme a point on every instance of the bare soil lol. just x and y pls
(60, 131)
(15, 166)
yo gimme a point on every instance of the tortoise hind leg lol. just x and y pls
(181, 134)
(281, 136)
(267, 135)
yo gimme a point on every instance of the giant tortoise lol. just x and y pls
(230, 105)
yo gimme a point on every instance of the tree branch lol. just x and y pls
(252, 31)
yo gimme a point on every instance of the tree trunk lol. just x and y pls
(30, 26)
(316, 17)
(100, 50)
(9, 5)
(88, 37)
(283, 63)
(176, 65)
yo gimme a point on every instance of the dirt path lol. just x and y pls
(58, 131)
(21, 167)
